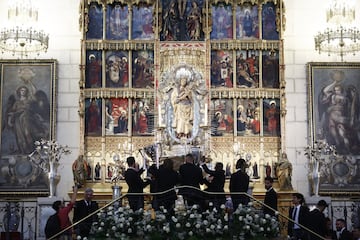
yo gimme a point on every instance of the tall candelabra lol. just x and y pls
(319, 155)
(46, 156)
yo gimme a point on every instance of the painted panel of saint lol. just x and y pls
(221, 69)
(269, 31)
(270, 69)
(117, 69)
(93, 72)
(95, 26)
(222, 22)
(247, 69)
(247, 21)
(271, 117)
(92, 117)
(181, 20)
(171, 20)
(143, 69)
(248, 119)
(143, 116)
(116, 116)
(142, 23)
(117, 22)
(193, 22)
(222, 119)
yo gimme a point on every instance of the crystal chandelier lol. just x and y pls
(20, 36)
(341, 37)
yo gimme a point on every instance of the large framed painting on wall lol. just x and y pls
(334, 90)
(28, 114)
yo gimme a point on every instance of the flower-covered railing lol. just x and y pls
(246, 222)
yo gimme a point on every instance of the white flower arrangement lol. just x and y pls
(123, 223)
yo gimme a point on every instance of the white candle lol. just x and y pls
(206, 114)
(157, 155)
(159, 112)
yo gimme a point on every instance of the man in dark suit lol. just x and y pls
(299, 215)
(82, 209)
(239, 183)
(317, 221)
(166, 178)
(215, 183)
(136, 185)
(191, 175)
(341, 232)
(270, 200)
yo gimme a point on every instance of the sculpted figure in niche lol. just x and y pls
(80, 171)
(181, 99)
(284, 172)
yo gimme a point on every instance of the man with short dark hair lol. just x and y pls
(191, 175)
(270, 197)
(136, 185)
(298, 213)
(239, 183)
(341, 232)
(317, 221)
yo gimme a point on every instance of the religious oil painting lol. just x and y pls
(116, 116)
(271, 117)
(95, 24)
(270, 69)
(117, 22)
(248, 118)
(222, 22)
(269, 28)
(182, 20)
(28, 102)
(93, 72)
(93, 118)
(334, 90)
(221, 69)
(117, 69)
(143, 69)
(222, 120)
(143, 117)
(247, 69)
(142, 23)
(247, 22)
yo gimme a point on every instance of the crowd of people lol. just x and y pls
(165, 183)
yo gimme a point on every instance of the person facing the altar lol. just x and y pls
(215, 183)
(166, 178)
(136, 185)
(191, 175)
(239, 184)
(82, 209)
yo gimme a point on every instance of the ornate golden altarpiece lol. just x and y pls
(135, 57)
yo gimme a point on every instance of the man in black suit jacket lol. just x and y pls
(135, 184)
(270, 197)
(239, 183)
(191, 175)
(317, 221)
(166, 178)
(215, 183)
(341, 232)
(82, 209)
(299, 214)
